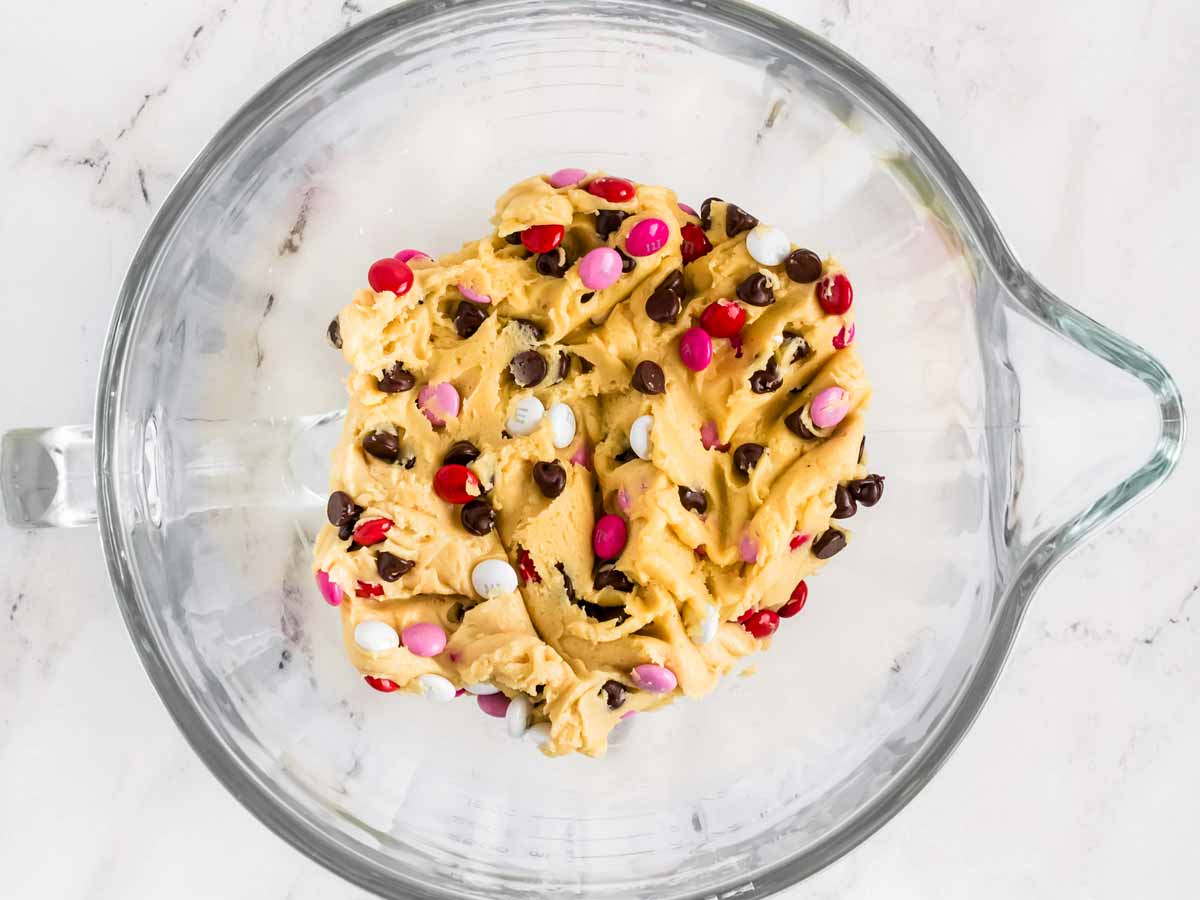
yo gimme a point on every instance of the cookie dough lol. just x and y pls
(646, 424)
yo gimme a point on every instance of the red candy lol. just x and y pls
(835, 295)
(525, 567)
(383, 685)
(366, 589)
(723, 319)
(798, 541)
(762, 623)
(542, 238)
(694, 243)
(796, 603)
(614, 190)
(390, 275)
(372, 532)
(456, 484)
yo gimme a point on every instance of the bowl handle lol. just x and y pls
(1097, 424)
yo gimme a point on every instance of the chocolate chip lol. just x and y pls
(625, 456)
(608, 221)
(553, 264)
(528, 368)
(706, 212)
(382, 445)
(766, 380)
(843, 503)
(410, 462)
(586, 365)
(341, 509)
(862, 449)
(867, 491)
(667, 300)
(478, 517)
(395, 380)
(587, 298)
(803, 266)
(392, 567)
(746, 457)
(737, 220)
(756, 290)
(628, 263)
(608, 576)
(334, 333)
(468, 317)
(550, 477)
(802, 349)
(795, 424)
(614, 694)
(693, 501)
(346, 531)
(568, 584)
(648, 377)
(532, 329)
(513, 238)
(461, 453)
(828, 544)
(564, 365)
(604, 613)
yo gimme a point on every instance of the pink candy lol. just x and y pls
(748, 548)
(495, 705)
(655, 679)
(799, 540)
(844, 338)
(439, 402)
(647, 236)
(473, 295)
(711, 438)
(829, 407)
(624, 501)
(424, 639)
(567, 177)
(600, 268)
(688, 210)
(582, 455)
(409, 255)
(695, 349)
(330, 589)
(609, 536)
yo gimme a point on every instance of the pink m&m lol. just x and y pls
(829, 407)
(409, 255)
(471, 294)
(710, 437)
(695, 349)
(687, 210)
(609, 536)
(647, 236)
(567, 177)
(439, 402)
(330, 589)
(748, 549)
(424, 639)
(494, 704)
(654, 679)
(600, 268)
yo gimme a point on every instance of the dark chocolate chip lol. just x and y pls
(609, 576)
(553, 264)
(614, 694)
(586, 365)
(568, 584)
(550, 477)
(648, 377)
(737, 220)
(862, 449)
(478, 517)
(844, 505)
(334, 333)
(628, 263)
(625, 456)
(604, 613)
(346, 531)
(341, 509)
(608, 221)
(706, 212)
(528, 368)
(803, 266)
(828, 544)
(747, 456)
(667, 300)
(410, 462)
(382, 445)
(867, 491)
(756, 290)
(395, 380)
(587, 298)
(461, 453)
(802, 349)
(795, 424)
(532, 329)
(468, 317)
(513, 238)
(767, 380)
(392, 567)
(693, 501)
(564, 364)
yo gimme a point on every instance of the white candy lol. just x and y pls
(639, 436)
(538, 734)
(768, 245)
(526, 417)
(562, 424)
(708, 627)
(516, 719)
(493, 577)
(437, 688)
(482, 689)
(376, 637)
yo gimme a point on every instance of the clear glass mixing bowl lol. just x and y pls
(1008, 424)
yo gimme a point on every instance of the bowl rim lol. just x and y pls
(271, 806)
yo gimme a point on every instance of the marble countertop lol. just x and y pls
(1080, 128)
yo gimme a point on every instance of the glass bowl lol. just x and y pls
(1009, 425)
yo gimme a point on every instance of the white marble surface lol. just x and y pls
(1079, 125)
